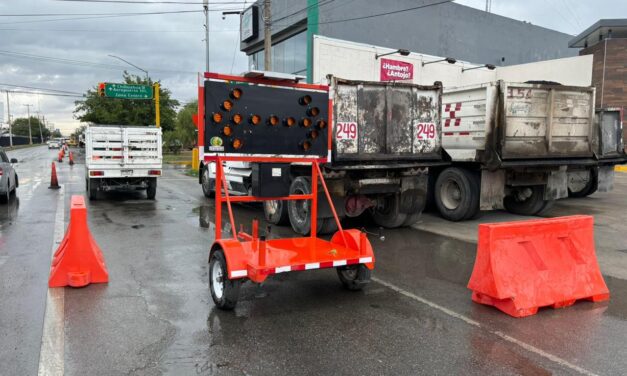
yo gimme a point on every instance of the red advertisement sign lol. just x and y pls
(395, 70)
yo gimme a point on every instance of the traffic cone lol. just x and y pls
(54, 183)
(78, 261)
(60, 158)
(71, 159)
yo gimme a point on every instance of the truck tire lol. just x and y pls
(388, 214)
(591, 186)
(457, 194)
(531, 205)
(328, 226)
(151, 191)
(275, 212)
(208, 184)
(92, 188)
(298, 210)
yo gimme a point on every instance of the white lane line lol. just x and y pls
(497, 333)
(51, 354)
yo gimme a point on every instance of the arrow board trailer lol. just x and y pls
(120, 157)
(383, 137)
(512, 145)
(272, 125)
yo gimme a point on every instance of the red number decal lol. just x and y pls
(425, 131)
(340, 128)
(346, 131)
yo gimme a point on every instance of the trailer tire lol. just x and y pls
(275, 212)
(208, 184)
(298, 210)
(532, 205)
(224, 291)
(457, 194)
(151, 191)
(92, 188)
(589, 188)
(354, 277)
(389, 214)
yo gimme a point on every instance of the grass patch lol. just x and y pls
(181, 158)
(191, 172)
(17, 147)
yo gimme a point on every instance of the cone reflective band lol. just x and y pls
(290, 121)
(273, 120)
(305, 122)
(254, 119)
(237, 118)
(314, 111)
(216, 117)
(304, 100)
(227, 105)
(236, 93)
(321, 124)
(237, 143)
(227, 131)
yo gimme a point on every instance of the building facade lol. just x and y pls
(439, 28)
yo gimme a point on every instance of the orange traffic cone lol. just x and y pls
(78, 261)
(71, 159)
(60, 158)
(54, 183)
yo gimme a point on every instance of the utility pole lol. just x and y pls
(267, 35)
(41, 136)
(206, 8)
(30, 134)
(9, 121)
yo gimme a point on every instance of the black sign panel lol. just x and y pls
(242, 118)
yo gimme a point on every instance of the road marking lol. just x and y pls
(497, 333)
(51, 354)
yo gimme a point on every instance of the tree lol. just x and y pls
(56, 134)
(78, 131)
(185, 127)
(102, 110)
(19, 127)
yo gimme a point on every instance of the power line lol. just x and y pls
(120, 31)
(160, 2)
(40, 88)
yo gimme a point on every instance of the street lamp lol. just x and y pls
(449, 60)
(131, 64)
(489, 66)
(401, 51)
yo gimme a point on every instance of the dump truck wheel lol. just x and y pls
(457, 194)
(527, 201)
(224, 291)
(354, 277)
(577, 188)
(298, 210)
(208, 184)
(388, 212)
(328, 226)
(275, 212)
(151, 191)
(92, 188)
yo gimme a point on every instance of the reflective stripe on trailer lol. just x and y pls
(311, 266)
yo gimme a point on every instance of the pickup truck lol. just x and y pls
(120, 157)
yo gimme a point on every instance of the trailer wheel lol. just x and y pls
(457, 194)
(151, 191)
(387, 213)
(208, 184)
(275, 212)
(354, 277)
(298, 210)
(224, 291)
(526, 201)
(92, 188)
(578, 186)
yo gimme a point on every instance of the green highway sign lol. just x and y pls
(126, 91)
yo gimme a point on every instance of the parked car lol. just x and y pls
(8, 177)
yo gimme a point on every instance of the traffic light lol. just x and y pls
(101, 89)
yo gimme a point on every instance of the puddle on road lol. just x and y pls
(8, 211)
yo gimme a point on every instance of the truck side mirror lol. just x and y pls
(13, 160)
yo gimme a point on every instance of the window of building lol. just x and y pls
(288, 56)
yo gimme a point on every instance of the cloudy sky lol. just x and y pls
(64, 45)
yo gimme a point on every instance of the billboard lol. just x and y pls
(396, 70)
(248, 24)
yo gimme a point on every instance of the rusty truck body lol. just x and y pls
(513, 146)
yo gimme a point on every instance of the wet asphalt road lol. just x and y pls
(155, 316)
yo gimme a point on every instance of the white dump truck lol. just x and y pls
(513, 146)
(120, 157)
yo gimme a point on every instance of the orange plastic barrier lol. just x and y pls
(521, 266)
(54, 183)
(71, 158)
(78, 261)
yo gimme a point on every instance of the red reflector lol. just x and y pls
(154, 172)
(96, 173)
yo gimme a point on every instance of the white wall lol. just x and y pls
(357, 61)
